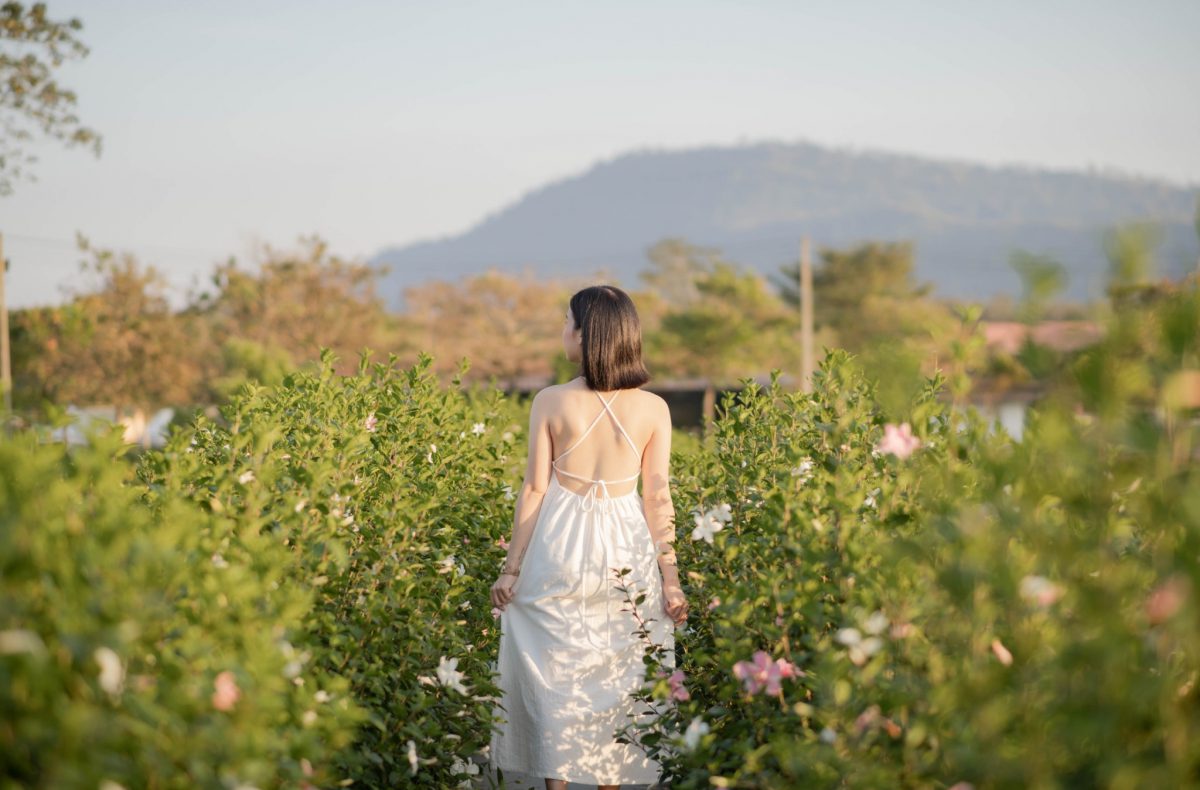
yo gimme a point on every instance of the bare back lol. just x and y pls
(604, 452)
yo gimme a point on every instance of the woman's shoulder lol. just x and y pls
(558, 393)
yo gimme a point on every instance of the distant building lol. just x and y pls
(1009, 336)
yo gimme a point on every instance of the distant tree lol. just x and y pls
(675, 269)
(116, 344)
(734, 327)
(1042, 279)
(507, 326)
(244, 361)
(1130, 250)
(298, 302)
(865, 294)
(32, 47)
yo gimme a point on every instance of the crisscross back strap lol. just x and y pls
(620, 427)
(607, 408)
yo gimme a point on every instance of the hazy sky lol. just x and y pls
(377, 123)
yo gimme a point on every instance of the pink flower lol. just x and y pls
(898, 440)
(1002, 654)
(678, 691)
(786, 669)
(502, 543)
(370, 423)
(1166, 600)
(866, 719)
(763, 673)
(714, 603)
(496, 612)
(226, 692)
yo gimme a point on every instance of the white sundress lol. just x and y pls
(568, 656)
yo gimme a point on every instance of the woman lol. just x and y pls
(569, 657)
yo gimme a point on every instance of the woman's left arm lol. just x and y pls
(529, 500)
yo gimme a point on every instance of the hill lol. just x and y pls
(754, 202)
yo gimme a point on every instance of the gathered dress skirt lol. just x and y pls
(570, 656)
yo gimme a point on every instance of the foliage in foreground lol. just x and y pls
(149, 643)
(298, 592)
(389, 493)
(999, 613)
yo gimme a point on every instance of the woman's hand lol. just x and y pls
(502, 590)
(674, 603)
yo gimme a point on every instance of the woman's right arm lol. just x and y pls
(529, 500)
(660, 509)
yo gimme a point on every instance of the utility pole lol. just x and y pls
(804, 275)
(5, 365)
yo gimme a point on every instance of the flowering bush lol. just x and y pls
(389, 494)
(960, 609)
(149, 643)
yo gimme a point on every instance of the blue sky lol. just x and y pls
(227, 124)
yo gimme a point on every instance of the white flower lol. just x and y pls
(446, 565)
(309, 718)
(246, 477)
(300, 506)
(508, 436)
(218, 561)
(21, 640)
(869, 647)
(876, 623)
(860, 649)
(322, 696)
(848, 636)
(508, 492)
(478, 428)
(1040, 590)
(112, 673)
(695, 731)
(805, 466)
(371, 423)
(828, 736)
(413, 760)
(429, 455)
(722, 513)
(449, 676)
(460, 767)
(706, 526)
(109, 784)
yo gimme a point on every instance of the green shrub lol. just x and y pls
(389, 492)
(146, 642)
(985, 611)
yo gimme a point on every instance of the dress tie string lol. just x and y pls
(595, 518)
(590, 500)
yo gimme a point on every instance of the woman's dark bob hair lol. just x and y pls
(612, 338)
